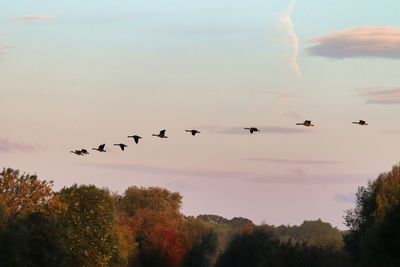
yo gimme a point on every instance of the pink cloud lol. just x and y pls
(9, 146)
(361, 41)
(239, 130)
(381, 95)
(296, 161)
(32, 17)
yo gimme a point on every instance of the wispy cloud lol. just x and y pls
(295, 161)
(296, 176)
(169, 171)
(287, 22)
(345, 198)
(239, 130)
(381, 95)
(362, 41)
(9, 146)
(390, 132)
(282, 101)
(32, 17)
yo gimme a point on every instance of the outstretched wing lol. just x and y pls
(101, 147)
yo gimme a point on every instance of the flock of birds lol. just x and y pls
(136, 138)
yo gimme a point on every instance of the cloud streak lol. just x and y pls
(294, 161)
(9, 146)
(239, 130)
(381, 95)
(282, 101)
(292, 178)
(359, 42)
(345, 198)
(287, 21)
(32, 17)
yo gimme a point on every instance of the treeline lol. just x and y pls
(89, 226)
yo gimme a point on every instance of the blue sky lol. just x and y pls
(77, 74)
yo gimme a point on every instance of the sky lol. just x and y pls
(76, 74)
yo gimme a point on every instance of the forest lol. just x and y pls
(84, 225)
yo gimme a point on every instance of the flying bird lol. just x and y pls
(252, 129)
(136, 138)
(305, 123)
(361, 122)
(77, 152)
(122, 146)
(101, 148)
(194, 132)
(161, 134)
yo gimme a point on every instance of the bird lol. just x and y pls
(122, 146)
(161, 134)
(361, 122)
(135, 137)
(77, 152)
(252, 129)
(194, 132)
(101, 148)
(305, 123)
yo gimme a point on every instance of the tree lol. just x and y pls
(24, 194)
(88, 225)
(373, 223)
(3, 215)
(158, 236)
(32, 240)
(152, 198)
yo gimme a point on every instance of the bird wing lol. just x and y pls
(101, 147)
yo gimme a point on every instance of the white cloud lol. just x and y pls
(287, 21)
(282, 101)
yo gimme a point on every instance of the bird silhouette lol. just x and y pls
(305, 123)
(122, 146)
(136, 138)
(252, 129)
(77, 152)
(161, 134)
(360, 122)
(101, 148)
(194, 132)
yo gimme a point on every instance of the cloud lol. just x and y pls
(295, 176)
(345, 198)
(389, 132)
(362, 41)
(287, 21)
(169, 171)
(239, 130)
(282, 101)
(295, 161)
(381, 95)
(9, 146)
(32, 17)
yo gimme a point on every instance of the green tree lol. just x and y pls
(32, 240)
(372, 238)
(88, 226)
(152, 198)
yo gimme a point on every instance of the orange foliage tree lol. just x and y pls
(25, 193)
(159, 231)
